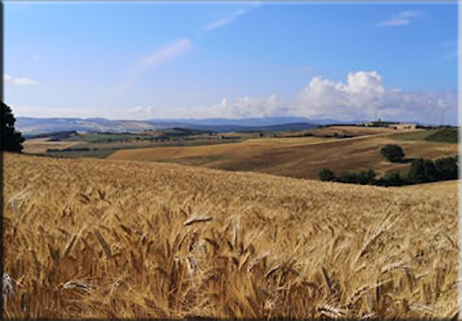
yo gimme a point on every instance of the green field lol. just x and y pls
(446, 135)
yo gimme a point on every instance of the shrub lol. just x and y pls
(349, 177)
(447, 168)
(366, 177)
(363, 177)
(393, 153)
(394, 179)
(422, 171)
(326, 175)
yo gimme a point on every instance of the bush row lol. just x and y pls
(420, 171)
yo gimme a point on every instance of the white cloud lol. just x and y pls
(18, 81)
(141, 112)
(360, 94)
(241, 107)
(393, 23)
(361, 97)
(400, 19)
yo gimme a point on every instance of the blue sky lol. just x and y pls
(147, 60)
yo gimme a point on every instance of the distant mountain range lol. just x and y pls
(33, 126)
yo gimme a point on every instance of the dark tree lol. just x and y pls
(349, 178)
(11, 139)
(326, 175)
(393, 179)
(393, 153)
(422, 171)
(447, 168)
(366, 177)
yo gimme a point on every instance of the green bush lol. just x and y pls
(348, 177)
(363, 177)
(393, 153)
(366, 177)
(326, 175)
(447, 168)
(422, 171)
(394, 179)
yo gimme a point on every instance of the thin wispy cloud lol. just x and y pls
(18, 81)
(225, 21)
(231, 18)
(159, 57)
(307, 69)
(400, 19)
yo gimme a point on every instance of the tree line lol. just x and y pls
(421, 170)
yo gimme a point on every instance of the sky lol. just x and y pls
(151, 60)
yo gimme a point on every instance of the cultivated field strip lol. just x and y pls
(90, 238)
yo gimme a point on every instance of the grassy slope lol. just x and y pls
(275, 247)
(445, 135)
(294, 157)
(450, 135)
(418, 135)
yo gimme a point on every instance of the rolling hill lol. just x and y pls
(294, 157)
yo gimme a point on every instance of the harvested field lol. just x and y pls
(86, 238)
(353, 130)
(294, 157)
(40, 145)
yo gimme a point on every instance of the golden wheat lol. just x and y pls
(104, 239)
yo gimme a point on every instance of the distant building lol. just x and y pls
(378, 123)
(385, 124)
(402, 126)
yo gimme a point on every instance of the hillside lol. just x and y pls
(294, 157)
(89, 238)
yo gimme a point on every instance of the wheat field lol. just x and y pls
(88, 238)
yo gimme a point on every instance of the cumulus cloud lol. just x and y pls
(241, 107)
(361, 97)
(142, 112)
(18, 81)
(400, 19)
